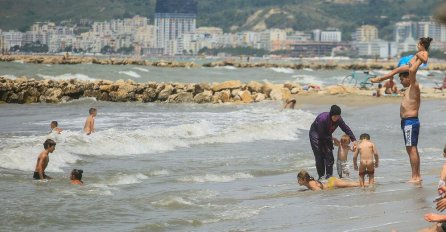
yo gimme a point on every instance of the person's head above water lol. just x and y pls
(76, 174)
(335, 113)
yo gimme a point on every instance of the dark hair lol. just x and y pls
(404, 74)
(49, 143)
(380, 85)
(364, 136)
(444, 149)
(54, 123)
(426, 42)
(91, 110)
(335, 110)
(77, 173)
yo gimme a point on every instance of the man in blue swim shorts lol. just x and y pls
(410, 106)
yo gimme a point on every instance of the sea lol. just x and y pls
(205, 167)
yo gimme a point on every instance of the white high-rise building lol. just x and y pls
(429, 29)
(404, 30)
(172, 20)
(366, 33)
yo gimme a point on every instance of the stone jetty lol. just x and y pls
(25, 90)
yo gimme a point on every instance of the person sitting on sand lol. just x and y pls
(303, 178)
(76, 176)
(391, 87)
(54, 127)
(289, 103)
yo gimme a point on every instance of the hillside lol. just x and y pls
(231, 15)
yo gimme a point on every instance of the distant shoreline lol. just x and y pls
(264, 63)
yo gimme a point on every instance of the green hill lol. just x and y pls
(231, 15)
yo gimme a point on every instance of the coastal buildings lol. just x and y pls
(174, 32)
(366, 33)
(173, 20)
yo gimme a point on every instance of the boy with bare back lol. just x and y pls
(89, 123)
(343, 149)
(368, 161)
(42, 161)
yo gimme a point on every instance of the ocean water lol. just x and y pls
(93, 72)
(190, 167)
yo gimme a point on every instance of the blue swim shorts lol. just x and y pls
(411, 130)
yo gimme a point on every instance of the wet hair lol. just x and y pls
(335, 110)
(404, 74)
(426, 42)
(380, 85)
(92, 110)
(49, 143)
(304, 175)
(345, 138)
(364, 136)
(54, 123)
(77, 174)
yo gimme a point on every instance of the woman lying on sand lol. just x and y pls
(303, 178)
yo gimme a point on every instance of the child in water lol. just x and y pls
(54, 127)
(342, 161)
(304, 178)
(368, 161)
(76, 176)
(89, 123)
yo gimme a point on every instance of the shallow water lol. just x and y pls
(188, 167)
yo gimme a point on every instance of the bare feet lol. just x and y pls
(415, 180)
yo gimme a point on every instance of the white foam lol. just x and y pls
(125, 179)
(67, 76)
(308, 69)
(226, 67)
(215, 178)
(307, 79)
(283, 70)
(23, 156)
(162, 172)
(19, 61)
(141, 69)
(11, 77)
(130, 73)
(173, 201)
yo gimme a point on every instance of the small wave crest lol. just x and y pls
(215, 178)
(67, 76)
(141, 69)
(283, 70)
(308, 79)
(127, 179)
(130, 73)
(10, 77)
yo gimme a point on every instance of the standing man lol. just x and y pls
(410, 106)
(322, 141)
